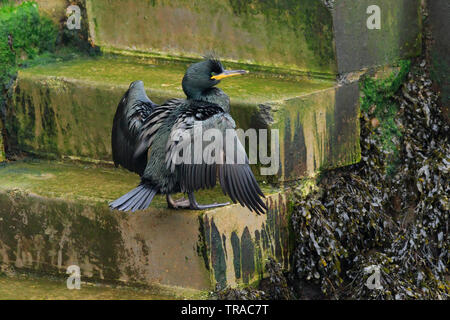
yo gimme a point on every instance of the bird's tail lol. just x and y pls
(137, 199)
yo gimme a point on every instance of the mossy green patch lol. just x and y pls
(46, 231)
(289, 33)
(26, 34)
(39, 288)
(318, 131)
(2, 146)
(82, 182)
(357, 47)
(165, 79)
(378, 102)
(67, 108)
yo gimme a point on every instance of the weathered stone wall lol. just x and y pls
(44, 235)
(53, 215)
(2, 145)
(287, 33)
(439, 20)
(54, 118)
(300, 34)
(67, 110)
(357, 47)
(71, 114)
(238, 244)
(318, 131)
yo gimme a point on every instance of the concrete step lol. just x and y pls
(26, 287)
(55, 214)
(66, 109)
(300, 35)
(303, 35)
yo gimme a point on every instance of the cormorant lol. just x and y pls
(142, 142)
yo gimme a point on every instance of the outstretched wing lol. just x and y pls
(199, 169)
(132, 113)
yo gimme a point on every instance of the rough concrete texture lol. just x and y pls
(318, 131)
(439, 19)
(2, 146)
(297, 34)
(37, 287)
(357, 47)
(67, 110)
(238, 243)
(287, 33)
(53, 215)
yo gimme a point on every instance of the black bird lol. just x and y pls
(143, 142)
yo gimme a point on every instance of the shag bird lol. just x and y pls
(143, 142)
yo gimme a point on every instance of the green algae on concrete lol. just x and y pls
(2, 146)
(81, 182)
(440, 60)
(239, 243)
(55, 214)
(39, 288)
(66, 109)
(318, 131)
(357, 47)
(276, 33)
(163, 77)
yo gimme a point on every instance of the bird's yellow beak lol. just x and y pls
(229, 73)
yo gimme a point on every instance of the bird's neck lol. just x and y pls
(216, 96)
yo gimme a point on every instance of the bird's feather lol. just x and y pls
(132, 113)
(236, 178)
(151, 126)
(137, 199)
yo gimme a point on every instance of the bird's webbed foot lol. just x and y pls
(177, 204)
(195, 206)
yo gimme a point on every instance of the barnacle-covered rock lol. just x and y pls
(390, 213)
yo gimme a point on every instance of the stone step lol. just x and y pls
(262, 33)
(26, 287)
(67, 108)
(303, 35)
(55, 214)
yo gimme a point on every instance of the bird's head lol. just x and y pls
(204, 75)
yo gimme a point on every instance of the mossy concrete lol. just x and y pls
(318, 131)
(163, 78)
(239, 243)
(293, 33)
(357, 47)
(26, 287)
(66, 109)
(2, 145)
(439, 17)
(55, 214)
(298, 35)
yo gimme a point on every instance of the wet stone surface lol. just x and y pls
(21, 287)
